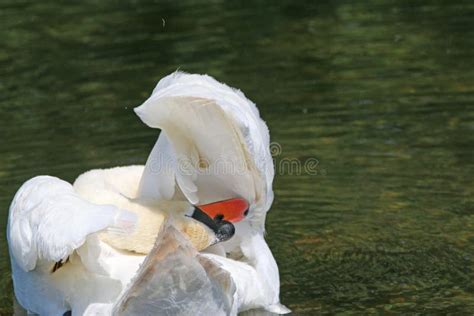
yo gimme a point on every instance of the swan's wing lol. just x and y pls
(48, 221)
(255, 279)
(174, 280)
(217, 143)
(208, 149)
(158, 180)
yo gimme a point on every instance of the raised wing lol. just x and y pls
(209, 153)
(213, 144)
(158, 180)
(48, 221)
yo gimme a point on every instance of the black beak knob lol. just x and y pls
(225, 230)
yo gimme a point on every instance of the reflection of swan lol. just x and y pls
(77, 247)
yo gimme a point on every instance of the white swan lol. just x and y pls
(76, 248)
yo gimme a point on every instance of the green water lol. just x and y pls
(381, 93)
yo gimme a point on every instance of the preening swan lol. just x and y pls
(182, 235)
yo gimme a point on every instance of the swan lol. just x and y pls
(79, 247)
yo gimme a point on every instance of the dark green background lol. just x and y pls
(380, 92)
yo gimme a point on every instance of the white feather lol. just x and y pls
(203, 123)
(48, 221)
(202, 118)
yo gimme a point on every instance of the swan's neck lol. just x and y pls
(151, 217)
(258, 254)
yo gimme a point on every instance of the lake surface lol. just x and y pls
(376, 98)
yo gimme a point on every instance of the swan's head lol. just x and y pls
(220, 216)
(213, 147)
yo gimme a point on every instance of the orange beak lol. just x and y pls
(232, 210)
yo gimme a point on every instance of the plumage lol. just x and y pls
(213, 146)
(48, 221)
(203, 118)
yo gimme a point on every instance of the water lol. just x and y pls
(381, 93)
